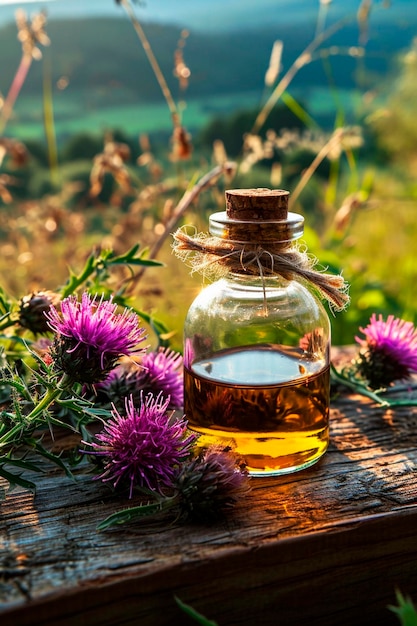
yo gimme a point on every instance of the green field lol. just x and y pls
(88, 112)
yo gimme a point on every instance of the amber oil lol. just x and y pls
(279, 423)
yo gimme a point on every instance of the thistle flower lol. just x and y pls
(211, 483)
(205, 488)
(91, 337)
(160, 373)
(390, 351)
(157, 373)
(33, 308)
(145, 447)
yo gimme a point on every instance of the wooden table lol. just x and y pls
(328, 545)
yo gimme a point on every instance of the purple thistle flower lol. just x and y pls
(390, 351)
(145, 447)
(211, 483)
(162, 372)
(91, 336)
(158, 372)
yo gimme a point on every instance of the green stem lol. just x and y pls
(46, 401)
(356, 386)
(8, 437)
(365, 391)
(51, 395)
(402, 402)
(7, 322)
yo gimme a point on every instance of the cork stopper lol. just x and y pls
(257, 204)
(257, 216)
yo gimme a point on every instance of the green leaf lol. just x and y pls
(296, 108)
(130, 258)
(157, 326)
(16, 479)
(6, 303)
(405, 610)
(97, 264)
(50, 456)
(27, 465)
(200, 619)
(17, 384)
(83, 409)
(75, 280)
(137, 512)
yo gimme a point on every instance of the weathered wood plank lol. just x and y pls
(327, 546)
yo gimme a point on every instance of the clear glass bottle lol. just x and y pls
(257, 348)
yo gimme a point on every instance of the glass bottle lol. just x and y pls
(257, 347)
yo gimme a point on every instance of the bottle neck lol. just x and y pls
(245, 280)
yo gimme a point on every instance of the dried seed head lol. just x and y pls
(32, 34)
(181, 144)
(274, 64)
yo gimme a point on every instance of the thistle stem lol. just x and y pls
(356, 386)
(365, 391)
(50, 396)
(8, 436)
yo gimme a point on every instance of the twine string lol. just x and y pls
(220, 257)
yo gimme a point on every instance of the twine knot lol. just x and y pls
(218, 257)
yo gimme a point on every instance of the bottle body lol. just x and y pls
(256, 372)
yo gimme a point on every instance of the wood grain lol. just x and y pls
(328, 545)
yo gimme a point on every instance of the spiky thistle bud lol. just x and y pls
(211, 483)
(33, 308)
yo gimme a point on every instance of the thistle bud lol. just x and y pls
(211, 483)
(33, 308)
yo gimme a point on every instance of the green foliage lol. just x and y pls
(81, 146)
(195, 615)
(231, 129)
(137, 512)
(405, 610)
(395, 124)
(97, 268)
(33, 397)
